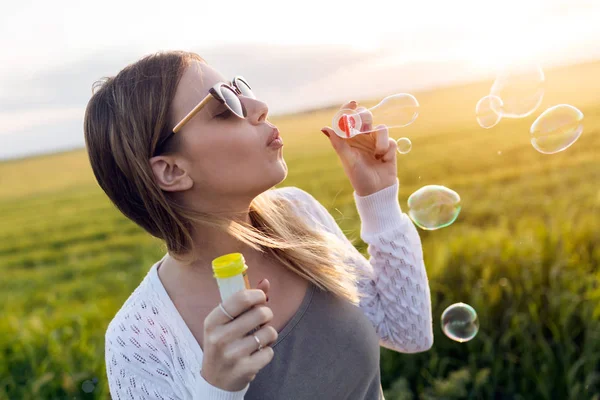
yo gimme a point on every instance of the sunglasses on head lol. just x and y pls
(224, 94)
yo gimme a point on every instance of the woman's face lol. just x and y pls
(225, 154)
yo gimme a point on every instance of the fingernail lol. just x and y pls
(325, 132)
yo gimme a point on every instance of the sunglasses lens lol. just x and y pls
(244, 88)
(232, 101)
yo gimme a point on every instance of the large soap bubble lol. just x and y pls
(433, 207)
(556, 129)
(521, 91)
(460, 322)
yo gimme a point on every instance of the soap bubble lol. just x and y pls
(87, 386)
(460, 322)
(404, 145)
(556, 129)
(484, 111)
(521, 91)
(433, 207)
(395, 111)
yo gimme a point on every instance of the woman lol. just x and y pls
(193, 160)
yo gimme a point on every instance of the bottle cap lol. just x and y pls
(229, 265)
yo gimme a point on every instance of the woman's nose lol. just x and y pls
(257, 111)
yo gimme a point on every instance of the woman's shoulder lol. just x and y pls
(307, 205)
(297, 196)
(142, 314)
(143, 343)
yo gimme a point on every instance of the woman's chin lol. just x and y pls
(282, 170)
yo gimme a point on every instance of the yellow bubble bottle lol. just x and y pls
(230, 271)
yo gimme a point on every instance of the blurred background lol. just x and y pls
(524, 251)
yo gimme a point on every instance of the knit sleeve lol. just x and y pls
(139, 367)
(396, 294)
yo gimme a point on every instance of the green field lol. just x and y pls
(524, 252)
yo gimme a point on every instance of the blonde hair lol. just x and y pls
(125, 119)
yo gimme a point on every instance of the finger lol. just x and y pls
(235, 305)
(264, 285)
(351, 105)
(382, 142)
(340, 145)
(258, 360)
(391, 153)
(362, 141)
(243, 324)
(247, 345)
(267, 336)
(366, 118)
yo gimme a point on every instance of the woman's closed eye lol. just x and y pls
(225, 114)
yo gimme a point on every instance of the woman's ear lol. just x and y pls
(170, 173)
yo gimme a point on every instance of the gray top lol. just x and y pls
(328, 350)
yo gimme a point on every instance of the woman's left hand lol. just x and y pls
(369, 159)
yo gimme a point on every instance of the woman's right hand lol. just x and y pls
(231, 359)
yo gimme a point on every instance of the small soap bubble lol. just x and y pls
(87, 386)
(460, 322)
(433, 207)
(404, 145)
(521, 91)
(556, 129)
(395, 111)
(484, 111)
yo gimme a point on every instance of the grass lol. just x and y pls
(524, 252)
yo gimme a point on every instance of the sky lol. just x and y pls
(312, 54)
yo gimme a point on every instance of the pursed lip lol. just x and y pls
(274, 136)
